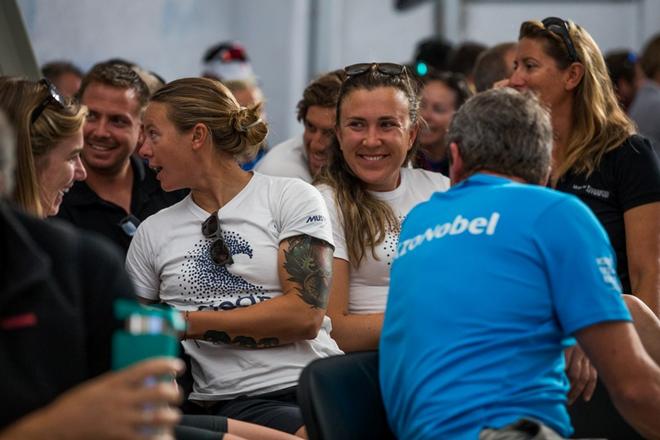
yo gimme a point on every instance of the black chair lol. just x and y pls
(340, 398)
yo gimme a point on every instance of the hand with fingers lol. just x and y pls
(581, 373)
(116, 405)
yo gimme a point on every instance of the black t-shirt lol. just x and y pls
(58, 287)
(627, 176)
(85, 209)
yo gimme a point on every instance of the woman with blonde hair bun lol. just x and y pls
(49, 141)
(246, 257)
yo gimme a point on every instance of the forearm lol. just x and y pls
(357, 332)
(641, 406)
(278, 321)
(37, 425)
(645, 284)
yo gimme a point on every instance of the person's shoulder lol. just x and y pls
(166, 215)
(418, 176)
(284, 184)
(285, 159)
(290, 145)
(635, 146)
(60, 239)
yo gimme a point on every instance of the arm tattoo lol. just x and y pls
(308, 261)
(219, 337)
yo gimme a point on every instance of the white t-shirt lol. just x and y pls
(369, 283)
(288, 159)
(169, 260)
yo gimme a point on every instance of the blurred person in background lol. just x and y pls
(626, 75)
(304, 156)
(493, 65)
(646, 107)
(442, 94)
(228, 62)
(65, 75)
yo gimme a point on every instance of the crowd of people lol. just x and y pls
(488, 219)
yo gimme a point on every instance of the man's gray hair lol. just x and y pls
(506, 132)
(7, 157)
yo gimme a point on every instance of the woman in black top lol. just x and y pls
(597, 155)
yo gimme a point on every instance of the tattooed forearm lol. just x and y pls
(219, 337)
(308, 261)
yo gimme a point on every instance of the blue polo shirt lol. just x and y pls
(490, 281)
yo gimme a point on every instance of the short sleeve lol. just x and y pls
(637, 172)
(302, 211)
(140, 263)
(581, 266)
(335, 219)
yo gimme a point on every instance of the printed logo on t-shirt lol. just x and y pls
(459, 226)
(600, 193)
(315, 219)
(608, 272)
(214, 287)
(391, 241)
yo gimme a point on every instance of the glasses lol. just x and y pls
(53, 97)
(391, 69)
(559, 27)
(219, 251)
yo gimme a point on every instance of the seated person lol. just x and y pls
(442, 94)
(56, 308)
(68, 313)
(303, 157)
(49, 141)
(474, 344)
(246, 257)
(369, 190)
(120, 190)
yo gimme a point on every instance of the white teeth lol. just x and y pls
(373, 158)
(100, 147)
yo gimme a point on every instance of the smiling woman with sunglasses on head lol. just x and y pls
(597, 155)
(368, 193)
(246, 256)
(49, 142)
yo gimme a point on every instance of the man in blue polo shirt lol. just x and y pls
(491, 281)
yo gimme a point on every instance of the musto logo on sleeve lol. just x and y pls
(459, 226)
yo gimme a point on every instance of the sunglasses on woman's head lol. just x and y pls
(559, 27)
(218, 251)
(54, 96)
(391, 69)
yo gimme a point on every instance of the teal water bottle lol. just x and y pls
(149, 331)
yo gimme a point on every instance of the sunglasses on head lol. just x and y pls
(53, 97)
(391, 69)
(559, 27)
(218, 251)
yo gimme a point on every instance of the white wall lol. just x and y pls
(170, 36)
(613, 24)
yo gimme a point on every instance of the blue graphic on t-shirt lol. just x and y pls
(204, 282)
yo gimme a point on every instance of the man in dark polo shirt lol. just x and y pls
(120, 191)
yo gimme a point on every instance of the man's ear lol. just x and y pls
(574, 77)
(338, 135)
(412, 132)
(200, 134)
(456, 172)
(141, 138)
